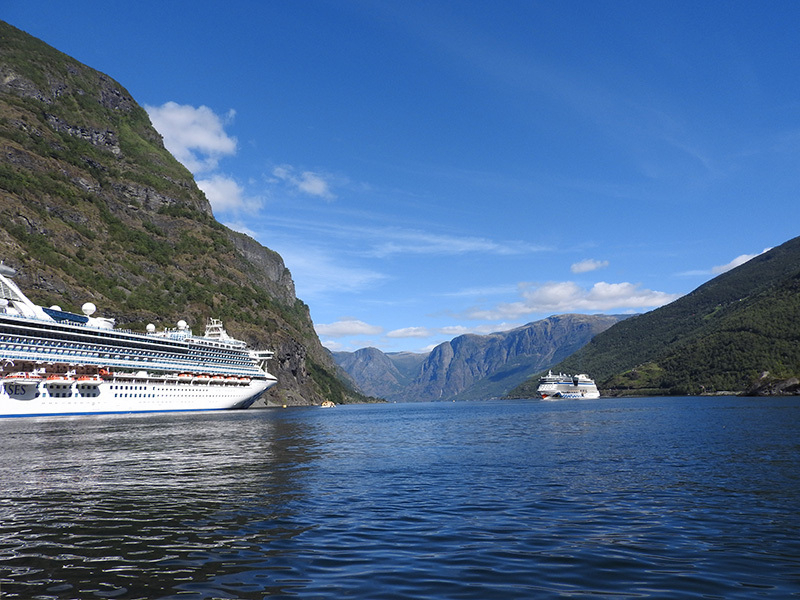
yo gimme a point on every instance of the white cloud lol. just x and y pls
(194, 135)
(347, 327)
(739, 260)
(308, 182)
(226, 195)
(587, 265)
(409, 332)
(567, 296)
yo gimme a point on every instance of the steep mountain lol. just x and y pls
(739, 332)
(373, 371)
(93, 207)
(471, 367)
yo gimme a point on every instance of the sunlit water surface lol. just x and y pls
(634, 498)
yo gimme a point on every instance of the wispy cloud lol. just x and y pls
(407, 241)
(347, 327)
(739, 260)
(194, 135)
(719, 269)
(306, 182)
(318, 272)
(497, 290)
(567, 296)
(588, 265)
(410, 332)
(382, 242)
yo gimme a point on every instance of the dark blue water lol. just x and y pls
(635, 498)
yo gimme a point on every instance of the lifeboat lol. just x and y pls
(89, 379)
(185, 377)
(59, 378)
(217, 379)
(24, 378)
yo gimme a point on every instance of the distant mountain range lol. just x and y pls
(471, 367)
(739, 332)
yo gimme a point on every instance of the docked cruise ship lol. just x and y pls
(561, 386)
(56, 362)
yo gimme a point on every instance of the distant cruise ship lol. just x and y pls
(60, 363)
(561, 386)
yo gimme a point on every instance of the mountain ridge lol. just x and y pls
(472, 366)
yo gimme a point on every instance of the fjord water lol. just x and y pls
(613, 498)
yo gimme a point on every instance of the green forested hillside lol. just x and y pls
(93, 207)
(741, 328)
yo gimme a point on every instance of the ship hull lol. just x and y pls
(124, 396)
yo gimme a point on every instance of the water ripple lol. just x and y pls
(622, 499)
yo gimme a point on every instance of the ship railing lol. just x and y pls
(40, 355)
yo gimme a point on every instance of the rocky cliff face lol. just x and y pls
(378, 374)
(93, 207)
(476, 366)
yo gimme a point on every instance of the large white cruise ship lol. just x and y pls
(55, 362)
(561, 386)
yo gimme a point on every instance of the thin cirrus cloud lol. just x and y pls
(317, 272)
(405, 241)
(739, 260)
(567, 296)
(383, 242)
(194, 135)
(719, 269)
(410, 332)
(347, 327)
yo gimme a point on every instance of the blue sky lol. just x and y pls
(432, 168)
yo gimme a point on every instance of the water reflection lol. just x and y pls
(139, 506)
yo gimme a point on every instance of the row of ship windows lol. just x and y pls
(90, 393)
(95, 393)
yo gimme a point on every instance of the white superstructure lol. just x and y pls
(561, 386)
(54, 362)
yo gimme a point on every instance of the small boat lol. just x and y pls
(89, 379)
(327, 404)
(24, 378)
